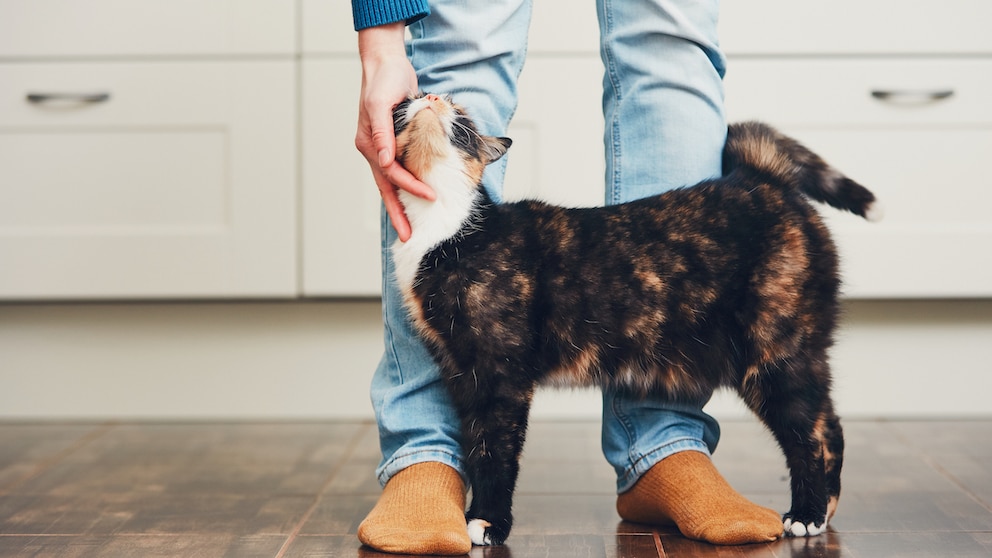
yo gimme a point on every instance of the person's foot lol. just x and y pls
(686, 490)
(421, 511)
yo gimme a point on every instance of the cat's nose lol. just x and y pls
(432, 97)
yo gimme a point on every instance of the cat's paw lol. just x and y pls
(484, 533)
(477, 532)
(796, 527)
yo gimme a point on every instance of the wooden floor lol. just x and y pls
(300, 489)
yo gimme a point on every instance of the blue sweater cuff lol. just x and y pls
(369, 13)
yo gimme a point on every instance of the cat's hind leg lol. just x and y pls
(833, 458)
(792, 398)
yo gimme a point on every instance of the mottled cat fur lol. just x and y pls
(732, 282)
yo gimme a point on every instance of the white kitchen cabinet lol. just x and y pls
(148, 149)
(222, 163)
(67, 29)
(894, 94)
(786, 28)
(179, 183)
(914, 131)
(339, 200)
(339, 205)
(810, 70)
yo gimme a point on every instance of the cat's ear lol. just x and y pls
(494, 148)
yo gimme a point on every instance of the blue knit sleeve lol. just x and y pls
(369, 13)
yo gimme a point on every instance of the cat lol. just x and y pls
(732, 282)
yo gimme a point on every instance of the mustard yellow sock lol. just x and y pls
(421, 511)
(686, 490)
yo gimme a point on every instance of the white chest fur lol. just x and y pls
(434, 221)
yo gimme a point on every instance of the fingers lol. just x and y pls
(390, 177)
(376, 142)
(402, 179)
(397, 217)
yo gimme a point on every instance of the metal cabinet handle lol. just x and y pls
(911, 95)
(89, 98)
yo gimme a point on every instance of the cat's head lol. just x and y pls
(432, 131)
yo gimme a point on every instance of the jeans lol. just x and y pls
(665, 128)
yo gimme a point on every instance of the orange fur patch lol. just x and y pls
(422, 142)
(579, 372)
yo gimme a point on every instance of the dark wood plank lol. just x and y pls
(339, 514)
(565, 458)
(235, 479)
(748, 457)
(27, 449)
(959, 450)
(878, 461)
(910, 489)
(145, 546)
(828, 545)
(561, 514)
(865, 512)
(330, 546)
(143, 513)
(919, 545)
(288, 459)
(528, 546)
(634, 546)
(357, 474)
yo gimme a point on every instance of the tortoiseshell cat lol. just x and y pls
(731, 282)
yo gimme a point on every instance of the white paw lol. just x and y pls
(798, 529)
(477, 532)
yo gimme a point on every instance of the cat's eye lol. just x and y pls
(463, 134)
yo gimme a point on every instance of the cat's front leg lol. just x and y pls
(494, 424)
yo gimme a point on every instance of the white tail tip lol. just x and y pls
(875, 212)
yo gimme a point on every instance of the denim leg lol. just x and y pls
(665, 128)
(473, 50)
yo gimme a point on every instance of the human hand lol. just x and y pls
(387, 78)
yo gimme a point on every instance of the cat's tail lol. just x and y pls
(784, 162)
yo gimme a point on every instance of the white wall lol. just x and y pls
(314, 359)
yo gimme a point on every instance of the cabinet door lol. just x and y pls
(921, 148)
(340, 202)
(557, 153)
(326, 26)
(123, 28)
(162, 180)
(856, 27)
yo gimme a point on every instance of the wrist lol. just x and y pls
(382, 42)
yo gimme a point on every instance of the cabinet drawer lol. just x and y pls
(69, 28)
(846, 92)
(923, 157)
(180, 183)
(856, 27)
